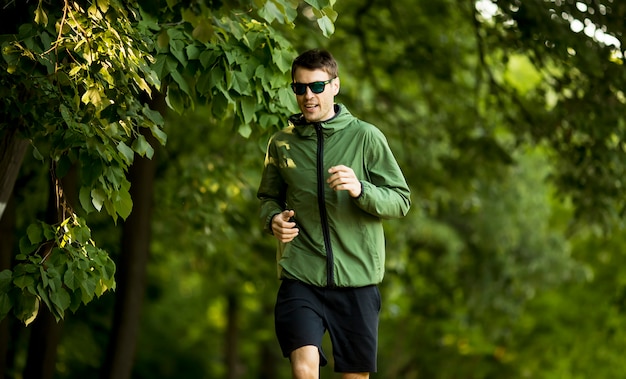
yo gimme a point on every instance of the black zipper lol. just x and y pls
(321, 202)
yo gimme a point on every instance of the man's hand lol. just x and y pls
(342, 178)
(284, 229)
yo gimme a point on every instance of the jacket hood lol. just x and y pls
(340, 120)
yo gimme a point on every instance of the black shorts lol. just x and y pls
(303, 313)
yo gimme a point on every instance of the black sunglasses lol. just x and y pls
(316, 87)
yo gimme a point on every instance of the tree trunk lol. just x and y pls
(45, 335)
(271, 358)
(234, 369)
(7, 241)
(45, 332)
(12, 150)
(132, 265)
(131, 273)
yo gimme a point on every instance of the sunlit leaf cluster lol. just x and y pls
(74, 85)
(79, 78)
(74, 90)
(59, 266)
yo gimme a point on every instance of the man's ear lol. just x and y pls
(336, 85)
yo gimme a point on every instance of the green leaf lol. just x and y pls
(98, 197)
(24, 269)
(82, 234)
(175, 99)
(326, 25)
(319, 4)
(44, 276)
(142, 147)
(88, 289)
(25, 246)
(219, 105)
(241, 84)
(154, 116)
(204, 85)
(177, 48)
(85, 199)
(126, 151)
(25, 282)
(159, 66)
(61, 300)
(331, 13)
(108, 272)
(70, 279)
(268, 120)
(42, 292)
(282, 60)
(159, 134)
(115, 176)
(208, 58)
(26, 307)
(248, 109)
(5, 305)
(245, 130)
(91, 168)
(124, 204)
(6, 277)
(54, 276)
(203, 32)
(182, 83)
(35, 233)
(37, 154)
(270, 12)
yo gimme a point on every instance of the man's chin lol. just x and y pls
(311, 116)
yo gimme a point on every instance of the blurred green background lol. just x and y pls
(507, 120)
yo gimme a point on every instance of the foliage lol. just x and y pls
(78, 79)
(469, 115)
(577, 49)
(59, 266)
(72, 87)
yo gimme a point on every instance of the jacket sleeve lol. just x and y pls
(385, 192)
(272, 189)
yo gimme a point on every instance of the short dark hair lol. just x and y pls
(315, 59)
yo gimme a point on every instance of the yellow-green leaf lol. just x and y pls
(92, 95)
(203, 31)
(40, 15)
(103, 5)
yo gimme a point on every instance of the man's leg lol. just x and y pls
(353, 315)
(305, 363)
(355, 375)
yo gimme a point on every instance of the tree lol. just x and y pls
(100, 93)
(87, 96)
(60, 92)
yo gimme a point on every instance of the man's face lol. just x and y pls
(316, 106)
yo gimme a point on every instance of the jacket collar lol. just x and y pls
(339, 121)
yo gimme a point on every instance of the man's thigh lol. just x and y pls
(352, 319)
(298, 318)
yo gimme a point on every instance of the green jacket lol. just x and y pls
(341, 241)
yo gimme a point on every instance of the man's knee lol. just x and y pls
(355, 375)
(305, 362)
(304, 370)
